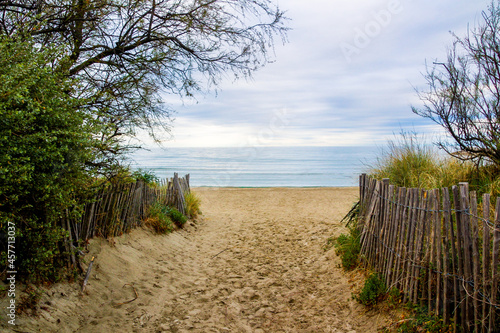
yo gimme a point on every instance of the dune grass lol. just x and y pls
(192, 204)
(409, 162)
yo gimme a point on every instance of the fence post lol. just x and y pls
(362, 198)
(180, 195)
(467, 248)
(486, 257)
(367, 235)
(458, 218)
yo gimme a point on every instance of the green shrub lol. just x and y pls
(348, 246)
(421, 321)
(373, 290)
(46, 145)
(159, 219)
(147, 176)
(177, 217)
(394, 297)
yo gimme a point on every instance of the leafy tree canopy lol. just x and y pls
(127, 52)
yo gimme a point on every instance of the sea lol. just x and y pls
(260, 166)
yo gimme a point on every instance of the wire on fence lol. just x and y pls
(466, 211)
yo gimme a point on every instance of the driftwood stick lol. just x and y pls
(130, 301)
(87, 275)
(220, 253)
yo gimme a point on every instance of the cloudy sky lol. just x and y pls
(346, 77)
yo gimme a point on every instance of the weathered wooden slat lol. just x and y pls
(180, 195)
(385, 228)
(476, 264)
(439, 252)
(393, 240)
(430, 251)
(486, 260)
(410, 242)
(403, 228)
(419, 243)
(467, 253)
(367, 232)
(494, 267)
(454, 264)
(459, 247)
(362, 199)
(446, 250)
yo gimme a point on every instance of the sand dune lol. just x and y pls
(254, 263)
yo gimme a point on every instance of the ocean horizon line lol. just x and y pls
(254, 167)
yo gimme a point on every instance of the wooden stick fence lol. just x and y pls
(118, 209)
(436, 249)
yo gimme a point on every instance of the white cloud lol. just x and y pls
(332, 101)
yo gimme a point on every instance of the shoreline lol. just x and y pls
(273, 187)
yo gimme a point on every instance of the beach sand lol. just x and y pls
(253, 263)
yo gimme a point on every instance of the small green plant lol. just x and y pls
(330, 242)
(373, 290)
(176, 217)
(147, 176)
(394, 297)
(348, 246)
(192, 204)
(421, 321)
(159, 218)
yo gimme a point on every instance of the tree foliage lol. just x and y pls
(128, 52)
(44, 148)
(464, 92)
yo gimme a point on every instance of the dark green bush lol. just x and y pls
(373, 290)
(162, 218)
(45, 145)
(177, 217)
(394, 297)
(348, 246)
(147, 176)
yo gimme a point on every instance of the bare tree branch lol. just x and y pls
(463, 93)
(126, 53)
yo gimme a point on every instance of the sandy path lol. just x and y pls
(254, 264)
